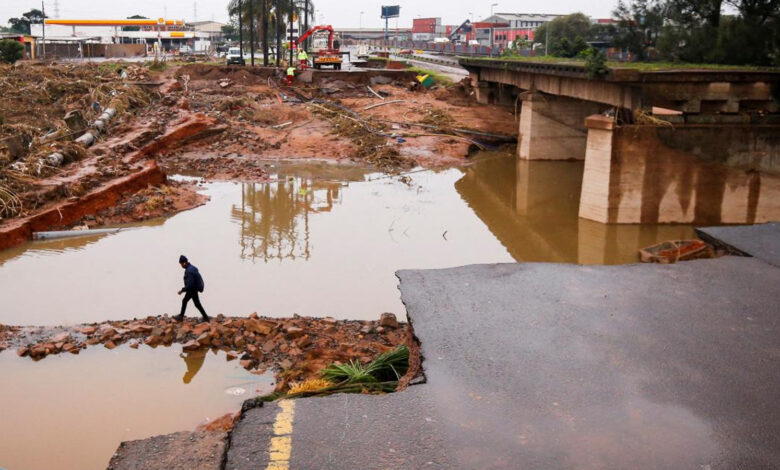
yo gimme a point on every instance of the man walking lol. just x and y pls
(193, 283)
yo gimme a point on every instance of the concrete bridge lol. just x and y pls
(660, 146)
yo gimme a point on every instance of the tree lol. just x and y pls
(22, 25)
(569, 27)
(639, 25)
(11, 51)
(134, 28)
(230, 32)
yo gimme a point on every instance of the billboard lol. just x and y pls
(392, 11)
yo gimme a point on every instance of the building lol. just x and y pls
(425, 29)
(482, 31)
(502, 29)
(172, 35)
(211, 30)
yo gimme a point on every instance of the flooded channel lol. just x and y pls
(322, 240)
(71, 412)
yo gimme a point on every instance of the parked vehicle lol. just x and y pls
(234, 57)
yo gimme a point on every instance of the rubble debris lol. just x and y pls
(388, 320)
(298, 348)
(672, 251)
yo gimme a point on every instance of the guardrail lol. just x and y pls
(446, 48)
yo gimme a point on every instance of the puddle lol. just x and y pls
(71, 412)
(323, 240)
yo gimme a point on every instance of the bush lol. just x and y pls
(595, 62)
(11, 51)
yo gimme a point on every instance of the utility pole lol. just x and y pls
(292, 6)
(546, 37)
(278, 24)
(43, 27)
(264, 28)
(240, 31)
(252, 32)
(305, 23)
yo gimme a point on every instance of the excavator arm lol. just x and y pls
(313, 30)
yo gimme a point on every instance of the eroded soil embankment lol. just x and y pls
(296, 348)
(222, 123)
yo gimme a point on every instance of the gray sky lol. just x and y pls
(343, 13)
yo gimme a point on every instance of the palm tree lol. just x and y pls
(273, 13)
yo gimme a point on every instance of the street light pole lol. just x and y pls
(43, 27)
(251, 32)
(240, 31)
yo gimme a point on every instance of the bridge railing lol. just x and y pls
(442, 48)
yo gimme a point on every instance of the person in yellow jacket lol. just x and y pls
(290, 75)
(303, 57)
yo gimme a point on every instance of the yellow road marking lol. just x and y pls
(280, 446)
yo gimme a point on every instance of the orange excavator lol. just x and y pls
(329, 55)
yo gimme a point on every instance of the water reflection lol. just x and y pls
(194, 361)
(275, 217)
(71, 412)
(532, 208)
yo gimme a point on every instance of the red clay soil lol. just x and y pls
(228, 123)
(266, 121)
(61, 214)
(149, 203)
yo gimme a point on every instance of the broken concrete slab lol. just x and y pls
(177, 451)
(761, 241)
(662, 366)
(567, 367)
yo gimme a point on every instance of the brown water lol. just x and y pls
(323, 240)
(71, 412)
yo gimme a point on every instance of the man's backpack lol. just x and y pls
(199, 282)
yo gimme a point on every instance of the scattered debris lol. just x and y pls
(298, 348)
(675, 250)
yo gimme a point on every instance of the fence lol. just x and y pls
(442, 48)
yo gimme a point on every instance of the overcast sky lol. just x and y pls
(340, 13)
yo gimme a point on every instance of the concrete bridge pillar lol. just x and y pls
(486, 92)
(686, 173)
(553, 127)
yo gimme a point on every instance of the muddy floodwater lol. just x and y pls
(71, 412)
(320, 240)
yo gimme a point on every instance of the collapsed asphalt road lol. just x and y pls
(558, 366)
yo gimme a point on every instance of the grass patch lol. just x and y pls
(437, 76)
(379, 376)
(641, 66)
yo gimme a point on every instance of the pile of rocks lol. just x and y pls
(298, 347)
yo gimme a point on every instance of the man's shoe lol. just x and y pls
(179, 317)
(207, 318)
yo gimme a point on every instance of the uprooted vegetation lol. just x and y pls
(370, 139)
(34, 103)
(234, 120)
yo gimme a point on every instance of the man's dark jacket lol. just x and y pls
(192, 279)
